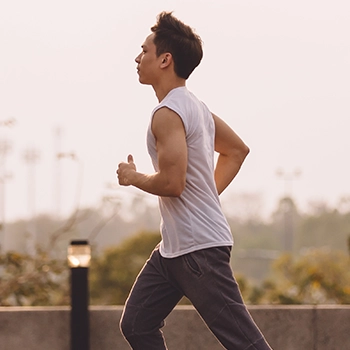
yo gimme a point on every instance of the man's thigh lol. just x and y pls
(152, 297)
(207, 280)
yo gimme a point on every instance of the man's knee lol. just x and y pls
(141, 335)
(126, 325)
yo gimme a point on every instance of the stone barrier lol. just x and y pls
(285, 328)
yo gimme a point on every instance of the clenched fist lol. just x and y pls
(125, 171)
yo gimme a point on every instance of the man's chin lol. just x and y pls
(144, 82)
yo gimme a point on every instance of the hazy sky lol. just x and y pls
(277, 71)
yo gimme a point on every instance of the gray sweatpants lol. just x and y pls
(205, 278)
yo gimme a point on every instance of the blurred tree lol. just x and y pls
(318, 276)
(112, 274)
(286, 217)
(33, 280)
(257, 243)
(324, 227)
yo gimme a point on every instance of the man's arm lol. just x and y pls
(232, 152)
(170, 180)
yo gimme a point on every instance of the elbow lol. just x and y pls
(241, 153)
(176, 194)
(245, 151)
(176, 189)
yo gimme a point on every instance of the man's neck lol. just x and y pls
(162, 90)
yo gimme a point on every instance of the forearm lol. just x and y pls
(232, 152)
(158, 184)
(167, 183)
(227, 167)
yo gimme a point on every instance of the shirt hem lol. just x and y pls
(193, 249)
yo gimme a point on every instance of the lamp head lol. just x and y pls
(79, 254)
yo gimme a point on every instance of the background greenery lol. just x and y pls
(291, 258)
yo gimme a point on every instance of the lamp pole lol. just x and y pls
(288, 213)
(31, 157)
(5, 147)
(74, 157)
(79, 256)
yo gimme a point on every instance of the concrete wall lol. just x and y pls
(286, 328)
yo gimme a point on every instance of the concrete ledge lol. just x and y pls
(285, 327)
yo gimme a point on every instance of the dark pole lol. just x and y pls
(79, 322)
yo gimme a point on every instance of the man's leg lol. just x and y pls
(151, 299)
(207, 280)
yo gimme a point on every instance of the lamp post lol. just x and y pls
(79, 256)
(5, 148)
(74, 157)
(288, 204)
(31, 157)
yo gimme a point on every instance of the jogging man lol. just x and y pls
(193, 257)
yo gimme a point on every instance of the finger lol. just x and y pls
(130, 159)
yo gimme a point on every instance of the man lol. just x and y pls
(193, 258)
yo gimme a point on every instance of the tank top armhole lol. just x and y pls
(172, 108)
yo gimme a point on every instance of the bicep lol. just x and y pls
(169, 132)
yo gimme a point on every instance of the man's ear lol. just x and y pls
(166, 60)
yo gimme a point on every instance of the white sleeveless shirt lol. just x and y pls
(194, 220)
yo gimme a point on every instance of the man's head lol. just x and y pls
(174, 37)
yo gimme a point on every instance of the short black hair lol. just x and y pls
(177, 38)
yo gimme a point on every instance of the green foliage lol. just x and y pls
(327, 227)
(32, 280)
(323, 226)
(318, 276)
(306, 275)
(113, 274)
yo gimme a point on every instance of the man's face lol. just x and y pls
(148, 62)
